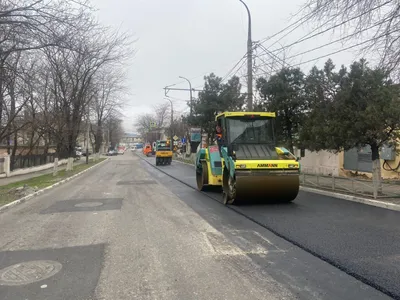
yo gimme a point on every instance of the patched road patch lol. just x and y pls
(89, 204)
(57, 274)
(82, 205)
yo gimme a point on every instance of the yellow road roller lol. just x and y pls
(245, 161)
(163, 153)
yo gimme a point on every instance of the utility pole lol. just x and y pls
(249, 63)
(87, 135)
(172, 118)
(191, 96)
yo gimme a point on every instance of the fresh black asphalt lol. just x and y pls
(362, 240)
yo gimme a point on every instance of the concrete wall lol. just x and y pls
(37, 169)
(32, 170)
(384, 173)
(321, 162)
(393, 165)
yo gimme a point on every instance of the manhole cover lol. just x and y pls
(29, 272)
(89, 204)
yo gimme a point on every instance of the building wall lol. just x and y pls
(385, 174)
(321, 162)
(326, 163)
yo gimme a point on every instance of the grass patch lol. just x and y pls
(16, 190)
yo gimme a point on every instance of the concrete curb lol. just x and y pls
(24, 199)
(352, 198)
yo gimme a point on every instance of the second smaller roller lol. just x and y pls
(163, 153)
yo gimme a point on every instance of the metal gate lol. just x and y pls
(358, 160)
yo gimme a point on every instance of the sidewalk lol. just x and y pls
(12, 179)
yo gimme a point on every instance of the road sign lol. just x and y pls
(183, 141)
(175, 138)
(153, 124)
(179, 144)
(195, 134)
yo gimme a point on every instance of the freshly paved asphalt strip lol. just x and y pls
(126, 231)
(362, 240)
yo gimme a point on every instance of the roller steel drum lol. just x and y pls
(266, 186)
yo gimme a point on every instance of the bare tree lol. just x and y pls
(161, 114)
(56, 62)
(145, 123)
(379, 20)
(110, 89)
(114, 129)
(90, 50)
(26, 25)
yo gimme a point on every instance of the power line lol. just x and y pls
(270, 65)
(274, 55)
(348, 48)
(195, 77)
(228, 74)
(304, 38)
(312, 13)
(307, 17)
(340, 39)
(344, 49)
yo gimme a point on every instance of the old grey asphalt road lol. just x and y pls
(363, 240)
(123, 231)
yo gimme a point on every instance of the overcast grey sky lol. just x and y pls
(192, 38)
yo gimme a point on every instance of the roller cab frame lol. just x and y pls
(245, 163)
(163, 153)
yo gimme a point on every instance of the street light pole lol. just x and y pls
(191, 98)
(172, 117)
(249, 63)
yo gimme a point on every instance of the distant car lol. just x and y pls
(121, 151)
(78, 154)
(112, 153)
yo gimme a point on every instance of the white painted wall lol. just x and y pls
(38, 168)
(321, 162)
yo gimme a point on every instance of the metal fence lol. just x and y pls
(351, 185)
(29, 161)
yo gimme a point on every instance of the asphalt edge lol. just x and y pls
(25, 198)
(376, 203)
(352, 198)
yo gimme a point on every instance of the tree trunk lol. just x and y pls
(98, 137)
(376, 170)
(289, 126)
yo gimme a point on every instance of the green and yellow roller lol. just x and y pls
(163, 153)
(245, 161)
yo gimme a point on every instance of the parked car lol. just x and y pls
(78, 154)
(121, 151)
(112, 153)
